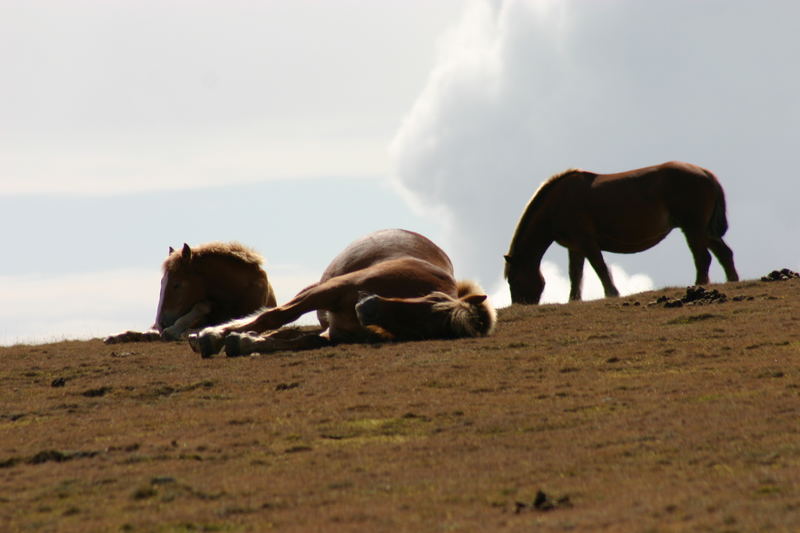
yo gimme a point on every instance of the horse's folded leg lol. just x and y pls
(131, 336)
(172, 334)
(152, 335)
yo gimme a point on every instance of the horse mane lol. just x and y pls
(233, 250)
(468, 319)
(532, 206)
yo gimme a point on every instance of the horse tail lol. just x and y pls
(718, 224)
(472, 315)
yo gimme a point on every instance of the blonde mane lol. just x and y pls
(469, 319)
(533, 205)
(233, 250)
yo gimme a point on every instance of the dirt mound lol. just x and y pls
(695, 295)
(780, 275)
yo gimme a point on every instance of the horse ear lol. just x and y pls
(474, 299)
(171, 251)
(186, 253)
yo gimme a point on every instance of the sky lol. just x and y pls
(296, 127)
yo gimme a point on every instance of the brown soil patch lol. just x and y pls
(612, 415)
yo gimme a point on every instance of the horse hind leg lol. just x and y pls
(698, 244)
(724, 255)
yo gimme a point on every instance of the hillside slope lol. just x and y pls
(628, 414)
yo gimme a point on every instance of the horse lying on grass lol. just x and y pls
(625, 213)
(390, 285)
(203, 286)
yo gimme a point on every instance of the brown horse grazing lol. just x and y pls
(206, 285)
(625, 213)
(392, 284)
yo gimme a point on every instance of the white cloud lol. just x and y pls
(524, 89)
(117, 97)
(154, 164)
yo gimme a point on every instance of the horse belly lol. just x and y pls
(631, 230)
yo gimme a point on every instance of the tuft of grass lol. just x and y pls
(690, 319)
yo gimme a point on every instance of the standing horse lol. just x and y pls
(206, 285)
(626, 212)
(392, 284)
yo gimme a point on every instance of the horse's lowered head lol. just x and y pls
(435, 315)
(182, 288)
(526, 286)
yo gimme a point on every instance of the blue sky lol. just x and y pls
(295, 127)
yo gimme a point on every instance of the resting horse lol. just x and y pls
(624, 213)
(206, 285)
(392, 285)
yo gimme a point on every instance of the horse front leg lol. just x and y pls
(238, 344)
(576, 260)
(198, 313)
(320, 296)
(209, 341)
(595, 257)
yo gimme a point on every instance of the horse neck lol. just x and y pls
(531, 240)
(225, 276)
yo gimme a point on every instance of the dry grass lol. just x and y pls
(629, 416)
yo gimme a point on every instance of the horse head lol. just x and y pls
(525, 288)
(435, 315)
(182, 287)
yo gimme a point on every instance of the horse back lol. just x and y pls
(402, 277)
(673, 186)
(387, 245)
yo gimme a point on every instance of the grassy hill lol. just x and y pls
(629, 414)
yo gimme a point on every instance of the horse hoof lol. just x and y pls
(368, 309)
(232, 347)
(238, 344)
(194, 342)
(208, 345)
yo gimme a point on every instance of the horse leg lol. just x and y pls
(134, 336)
(319, 296)
(576, 260)
(595, 257)
(238, 344)
(725, 257)
(189, 320)
(698, 244)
